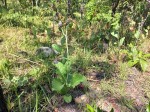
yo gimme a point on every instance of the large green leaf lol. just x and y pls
(147, 55)
(143, 64)
(57, 85)
(68, 66)
(140, 54)
(89, 108)
(131, 63)
(67, 98)
(61, 68)
(121, 41)
(77, 79)
(134, 51)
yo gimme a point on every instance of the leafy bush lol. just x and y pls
(137, 58)
(66, 80)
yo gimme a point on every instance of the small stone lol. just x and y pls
(60, 24)
(83, 99)
(45, 51)
(55, 61)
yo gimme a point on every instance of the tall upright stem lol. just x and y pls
(66, 36)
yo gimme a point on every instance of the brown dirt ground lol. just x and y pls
(137, 95)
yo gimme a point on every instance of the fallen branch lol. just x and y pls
(93, 80)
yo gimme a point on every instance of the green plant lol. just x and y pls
(66, 80)
(89, 108)
(137, 58)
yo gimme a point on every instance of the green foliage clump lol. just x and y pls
(89, 108)
(66, 80)
(137, 58)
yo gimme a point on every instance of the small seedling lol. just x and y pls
(94, 108)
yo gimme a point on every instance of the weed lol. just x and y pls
(89, 108)
(137, 58)
(66, 80)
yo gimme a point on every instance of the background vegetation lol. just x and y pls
(94, 47)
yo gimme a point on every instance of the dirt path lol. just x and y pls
(136, 87)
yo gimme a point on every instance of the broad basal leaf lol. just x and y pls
(131, 63)
(89, 108)
(147, 56)
(68, 65)
(77, 79)
(57, 85)
(143, 64)
(140, 54)
(61, 68)
(67, 98)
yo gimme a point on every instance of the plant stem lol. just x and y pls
(36, 105)
(66, 36)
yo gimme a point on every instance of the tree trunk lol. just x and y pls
(4, 3)
(38, 2)
(115, 4)
(33, 2)
(3, 106)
